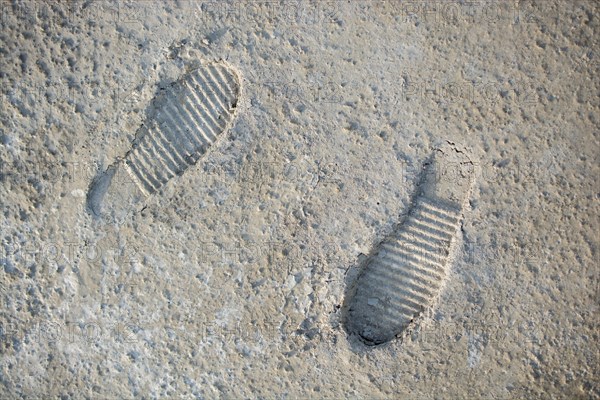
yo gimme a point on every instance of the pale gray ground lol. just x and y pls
(229, 283)
(402, 277)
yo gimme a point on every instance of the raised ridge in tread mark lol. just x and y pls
(406, 272)
(183, 123)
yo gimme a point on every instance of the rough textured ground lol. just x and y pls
(230, 282)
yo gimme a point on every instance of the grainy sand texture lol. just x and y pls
(275, 176)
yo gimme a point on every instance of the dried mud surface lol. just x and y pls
(229, 283)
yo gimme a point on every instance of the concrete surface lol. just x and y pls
(229, 283)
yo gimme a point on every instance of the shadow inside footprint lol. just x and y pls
(182, 123)
(405, 273)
